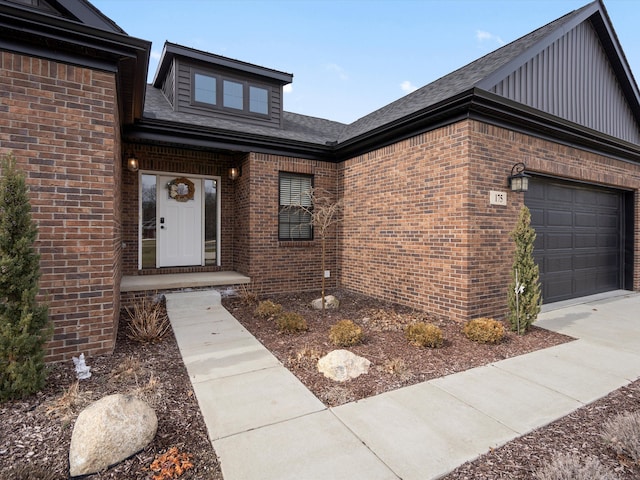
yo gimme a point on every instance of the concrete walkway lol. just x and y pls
(264, 424)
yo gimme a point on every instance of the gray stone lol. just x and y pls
(342, 365)
(330, 302)
(108, 431)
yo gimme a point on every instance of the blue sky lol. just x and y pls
(352, 57)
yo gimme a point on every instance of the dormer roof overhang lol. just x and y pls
(172, 50)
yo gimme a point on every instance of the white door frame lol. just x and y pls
(159, 191)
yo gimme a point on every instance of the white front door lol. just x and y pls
(179, 221)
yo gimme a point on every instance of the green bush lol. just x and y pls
(24, 323)
(424, 334)
(622, 433)
(568, 467)
(291, 322)
(484, 330)
(267, 308)
(345, 333)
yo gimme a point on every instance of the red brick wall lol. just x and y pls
(419, 229)
(276, 266)
(60, 122)
(162, 159)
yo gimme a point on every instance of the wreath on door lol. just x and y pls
(181, 189)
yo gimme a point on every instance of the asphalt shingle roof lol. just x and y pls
(314, 130)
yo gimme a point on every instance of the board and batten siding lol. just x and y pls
(183, 103)
(573, 79)
(168, 84)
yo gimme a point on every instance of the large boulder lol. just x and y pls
(108, 431)
(330, 302)
(342, 365)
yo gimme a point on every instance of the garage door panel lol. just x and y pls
(578, 245)
(555, 241)
(609, 241)
(558, 264)
(611, 221)
(560, 218)
(558, 193)
(586, 219)
(586, 240)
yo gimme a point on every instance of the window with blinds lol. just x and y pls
(294, 222)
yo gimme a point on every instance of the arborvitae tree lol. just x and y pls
(525, 296)
(24, 324)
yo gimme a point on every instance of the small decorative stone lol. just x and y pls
(109, 431)
(342, 365)
(330, 302)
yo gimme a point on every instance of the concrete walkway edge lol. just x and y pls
(265, 424)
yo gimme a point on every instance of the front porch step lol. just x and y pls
(172, 281)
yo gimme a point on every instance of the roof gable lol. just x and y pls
(588, 28)
(574, 79)
(80, 11)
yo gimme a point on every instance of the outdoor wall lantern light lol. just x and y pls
(132, 163)
(234, 173)
(518, 180)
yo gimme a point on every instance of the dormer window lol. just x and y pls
(259, 100)
(233, 97)
(214, 91)
(204, 89)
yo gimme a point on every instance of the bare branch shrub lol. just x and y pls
(622, 433)
(325, 212)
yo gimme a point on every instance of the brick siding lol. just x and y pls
(275, 266)
(60, 121)
(419, 229)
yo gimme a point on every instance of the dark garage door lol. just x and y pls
(579, 238)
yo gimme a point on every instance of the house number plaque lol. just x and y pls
(497, 198)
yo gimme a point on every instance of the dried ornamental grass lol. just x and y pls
(568, 467)
(484, 330)
(291, 322)
(423, 334)
(622, 433)
(345, 333)
(148, 321)
(267, 308)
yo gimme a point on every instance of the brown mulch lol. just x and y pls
(35, 433)
(395, 362)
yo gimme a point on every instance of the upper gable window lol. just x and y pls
(204, 89)
(258, 100)
(230, 94)
(233, 95)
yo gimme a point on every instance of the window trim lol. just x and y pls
(195, 102)
(219, 105)
(281, 175)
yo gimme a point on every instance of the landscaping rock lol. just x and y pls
(330, 302)
(109, 431)
(342, 365)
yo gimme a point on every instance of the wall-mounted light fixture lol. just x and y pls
(132, 163)
(518, 180)
(235, 173)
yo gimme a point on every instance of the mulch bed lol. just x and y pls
(35, 432)
(395, 362)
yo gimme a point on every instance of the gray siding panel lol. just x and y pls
(572, 79)
(168, 84)
(184, 105)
